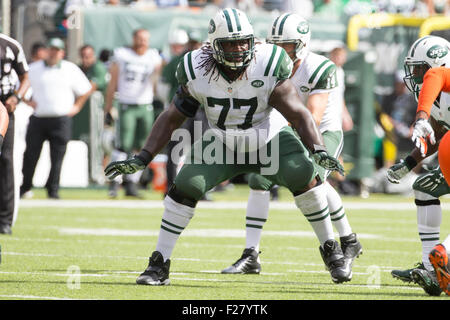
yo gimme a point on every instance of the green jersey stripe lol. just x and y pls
(280, 30)
(317, 212)
(227, 17)
(269, 65)
(181, 73)
(191, 69)
(256, 219)
(280, 59)
(238, 22)
(313, 76)
(323, 76)
(172, 225)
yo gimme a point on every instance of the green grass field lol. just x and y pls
(109, 244)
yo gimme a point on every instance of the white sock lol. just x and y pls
(314, 206)
(337, 211)
(257, 213)
(175, 218)
(446, 244)
(429, 217)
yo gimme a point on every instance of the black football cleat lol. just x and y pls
(334, 260)
(351, 247)
(405, 275)
(157, 272)
(427, 280)
(5, 229)
(246, 264)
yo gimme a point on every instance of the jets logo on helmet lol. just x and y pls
(212, 26)
(303, 27)
(437, 52)
(291, 28)
(425, 53)
(231, 25)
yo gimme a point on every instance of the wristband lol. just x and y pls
(145, 156)
(318, 148)
(1, 142)
(410, 162)
(19, 98)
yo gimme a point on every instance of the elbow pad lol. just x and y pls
(185, 103)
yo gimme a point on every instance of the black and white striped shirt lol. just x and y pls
(12, 64)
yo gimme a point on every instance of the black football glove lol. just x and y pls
(128, 166)
(323, 159)
(396, 172)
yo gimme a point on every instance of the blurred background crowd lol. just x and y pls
(381, 109)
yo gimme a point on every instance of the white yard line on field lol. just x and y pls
(207, 233)
(223, 278)
(214, 205)
(224, 261)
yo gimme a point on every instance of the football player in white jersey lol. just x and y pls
(314, 77)
(244, 87)
(428, 78)
(134, 71)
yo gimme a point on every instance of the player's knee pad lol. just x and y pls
(432, 183)
(425, 199)
(177, 195)
(258, 182)
(298, 172)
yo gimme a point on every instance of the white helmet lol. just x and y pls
(425, 53)
(231, 25)
(291, 28)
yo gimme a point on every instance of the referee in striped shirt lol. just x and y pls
(13, 65)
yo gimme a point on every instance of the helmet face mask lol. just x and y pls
(298, 46)
(425, 53)
(414, 73)
(291, 28)
(234, 59)
(231, 37)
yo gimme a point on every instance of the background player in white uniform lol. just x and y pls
(314, 77)
(133, 75)
(428, 78)
(237, 82)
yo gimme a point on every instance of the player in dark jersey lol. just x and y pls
(13, 68)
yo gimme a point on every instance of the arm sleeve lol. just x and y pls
(434, 81)
(185, 103)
